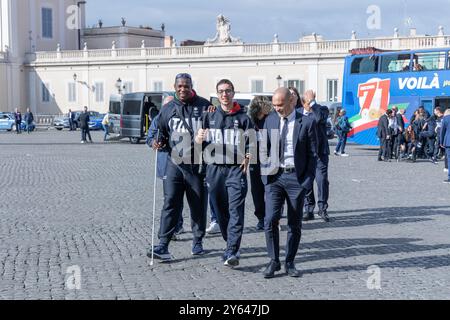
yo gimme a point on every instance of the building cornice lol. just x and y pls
(236, 52)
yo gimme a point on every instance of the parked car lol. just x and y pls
(95, 120)
(61, 123)
(8, 122)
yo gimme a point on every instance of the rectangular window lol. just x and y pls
(257, 86)
(72, 92)
(45, 93)
(47, 23)
(332, 90)
(127, 87)
(427, 61)
(297, 84)
(395, 62)
(365, 65)
(99, 92)
(157, 86)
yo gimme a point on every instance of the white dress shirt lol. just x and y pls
(289, 152)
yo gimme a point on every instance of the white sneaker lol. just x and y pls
(445, 170)
(336, 154)
(344, 155)
(213, 228)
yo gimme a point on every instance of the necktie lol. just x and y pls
(283, 141)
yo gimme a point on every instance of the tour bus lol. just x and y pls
(244, 99)
(115, 110)
(138, 109)
(375, 81)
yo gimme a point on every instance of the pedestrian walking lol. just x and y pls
(445, 140)
(287, 173)
(178, 125)
(343, 127)
(29, 118)
(84, 126)
(105, 125)
(225, 131)
(320, 114)
(18, 119)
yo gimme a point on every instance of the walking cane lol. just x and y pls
(154, 200)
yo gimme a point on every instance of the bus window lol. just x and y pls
(395, 62)
(429, 61)
(132, 107)
(365, 65)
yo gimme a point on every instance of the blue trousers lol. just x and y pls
(285, 187)
(447, 151)
(323, 186)
(227, 187)
(342, 142)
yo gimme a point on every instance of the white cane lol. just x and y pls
(154, 200)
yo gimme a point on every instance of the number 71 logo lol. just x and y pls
(374, 97)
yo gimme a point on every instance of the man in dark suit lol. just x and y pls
(71, 117)
(320, 114)
(445, 139)
(398, 139)
(385, 136)
(84, 125)
(288, 164)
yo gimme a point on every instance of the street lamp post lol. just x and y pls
(119, 85)
(75, 78)
(279, 79)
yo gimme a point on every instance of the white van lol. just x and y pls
(244, 99)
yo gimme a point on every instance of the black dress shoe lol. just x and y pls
(308, 216)
(271, 268)
(291, 270)
(324, 215)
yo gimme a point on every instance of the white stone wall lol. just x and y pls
(3, 89)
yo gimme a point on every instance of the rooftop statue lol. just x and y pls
(223, 35)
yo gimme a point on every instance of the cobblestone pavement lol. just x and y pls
(67, 207)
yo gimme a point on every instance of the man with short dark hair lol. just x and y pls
(178, 125)
(225, 134)
(18, 119)
(84, 126)
(383, 133)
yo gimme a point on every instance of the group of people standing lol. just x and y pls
(210, 151)
(420, 139)
(28, 118)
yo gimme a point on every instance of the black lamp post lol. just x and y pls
(279, 78)
(119, 85)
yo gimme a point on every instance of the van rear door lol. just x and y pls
(131, 116)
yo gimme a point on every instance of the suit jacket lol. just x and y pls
(400, 121)
(305, 149)
(321, 114)
(383, 127)
(445, 132)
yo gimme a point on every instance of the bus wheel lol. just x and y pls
(134, 140)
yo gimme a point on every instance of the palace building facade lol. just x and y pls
(49, 67)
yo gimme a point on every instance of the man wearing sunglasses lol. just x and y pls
(178, 125)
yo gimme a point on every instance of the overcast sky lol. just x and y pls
(256, 21)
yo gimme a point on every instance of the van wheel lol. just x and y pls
(134, 140)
